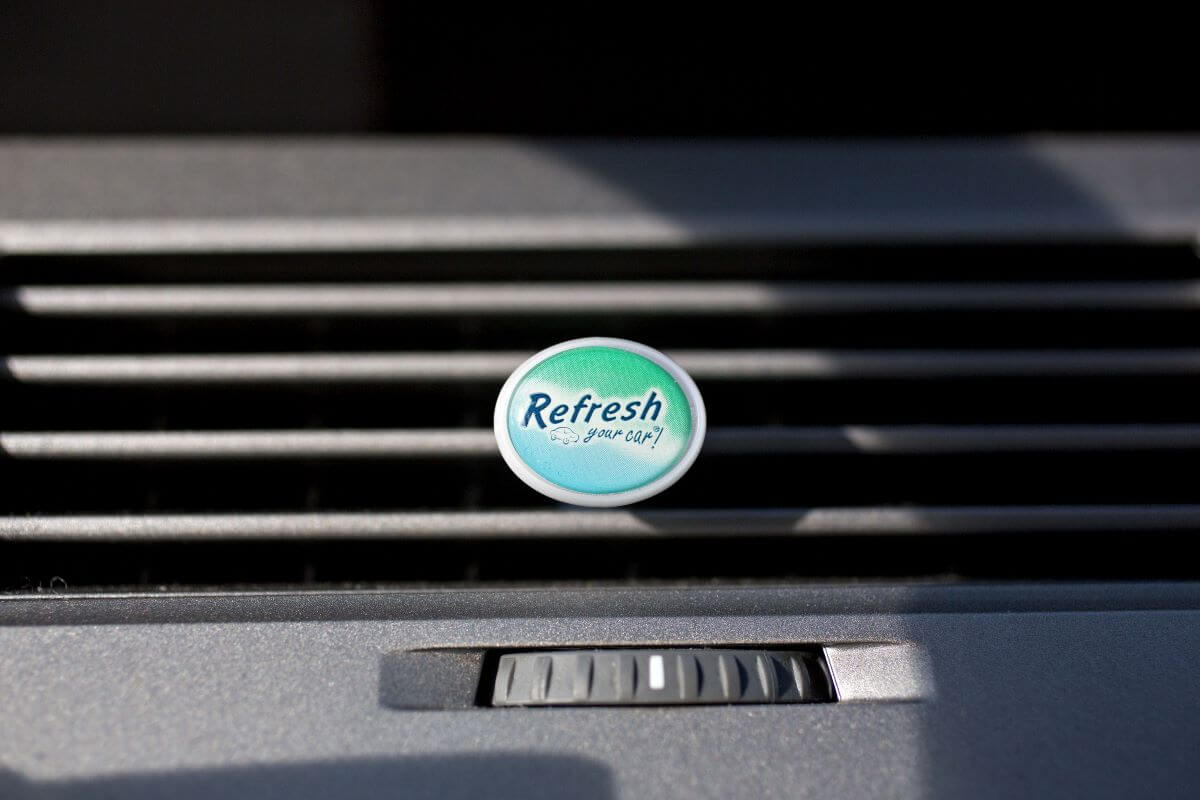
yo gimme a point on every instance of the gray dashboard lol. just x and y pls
(1067, 690)
(993, 687)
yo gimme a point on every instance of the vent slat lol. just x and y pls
(902, 521)
(707, 364)
(449, 442)
(461, 443)
(681, 297)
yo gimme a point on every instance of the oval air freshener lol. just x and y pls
(599, 422)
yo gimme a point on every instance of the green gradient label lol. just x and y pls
(604, 419)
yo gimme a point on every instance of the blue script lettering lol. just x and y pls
(651, 406)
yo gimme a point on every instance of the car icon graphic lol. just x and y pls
(564, 434)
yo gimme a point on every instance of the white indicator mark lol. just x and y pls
(657, 677)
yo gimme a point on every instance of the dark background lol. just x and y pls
(320, 66)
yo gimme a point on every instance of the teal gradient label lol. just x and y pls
(599, 420)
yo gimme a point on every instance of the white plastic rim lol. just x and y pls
(609, 499)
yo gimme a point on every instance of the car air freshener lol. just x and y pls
(599, 422)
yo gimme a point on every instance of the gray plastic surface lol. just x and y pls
(711, 365)
(998, 691)
(481, 442)
(158, 196)
(519, 299)
(430, 679)
(1048, 690)
(1083, 520)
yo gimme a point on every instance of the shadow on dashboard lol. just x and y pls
(496, 775)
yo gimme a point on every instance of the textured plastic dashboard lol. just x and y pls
(1013, 689)
(1084, 690)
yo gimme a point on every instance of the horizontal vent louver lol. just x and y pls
(845, 404)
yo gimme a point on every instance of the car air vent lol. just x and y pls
(931, 412)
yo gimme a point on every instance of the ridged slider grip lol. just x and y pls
(670, 676)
